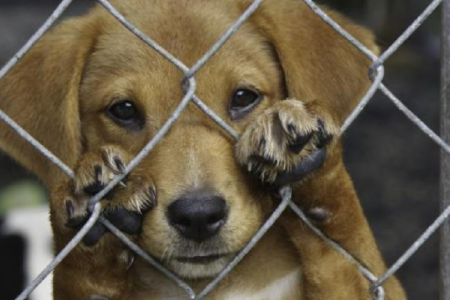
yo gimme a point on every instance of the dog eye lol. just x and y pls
(243, 101)
(126, 114)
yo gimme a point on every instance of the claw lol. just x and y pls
(131, 259)
(69, 209)
(122, 184)
(94, 188)
(119, 164)
(152, 197)
(94, 235)
(292, 130)
(73, 222)
(98, 172)
(323, 138)
(250, 166)
(300, 142)
(126, 221)
(262, 144)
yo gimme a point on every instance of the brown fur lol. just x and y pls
(59, 93)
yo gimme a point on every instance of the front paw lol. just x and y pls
(123, 206)
(286, 142)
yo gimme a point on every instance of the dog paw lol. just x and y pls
(123, 206)
(286, 142)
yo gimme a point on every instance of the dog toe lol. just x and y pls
(139, 194)
(96, 169)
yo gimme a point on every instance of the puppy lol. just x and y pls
(94, 95)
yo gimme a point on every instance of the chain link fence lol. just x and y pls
(376, 73)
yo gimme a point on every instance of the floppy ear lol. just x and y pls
(318, 63)
(41, 95)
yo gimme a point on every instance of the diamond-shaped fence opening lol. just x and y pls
(376, 73)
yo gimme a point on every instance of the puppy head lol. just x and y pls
(92, 82)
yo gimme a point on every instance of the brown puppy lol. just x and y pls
(94, 94)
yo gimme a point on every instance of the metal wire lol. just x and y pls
(148, 258)
(222, 40)
(286, 194)
(62, 254)
(365, 100)
(39, 33)
(411, 29)
(189, 87)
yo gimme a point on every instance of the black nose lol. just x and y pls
(198, 218)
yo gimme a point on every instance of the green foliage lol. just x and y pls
(22, 194)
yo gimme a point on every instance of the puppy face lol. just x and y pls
(207, 208)
(102, 85)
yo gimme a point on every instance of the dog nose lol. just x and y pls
(198, 218)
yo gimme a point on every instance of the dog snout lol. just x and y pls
(198, 218)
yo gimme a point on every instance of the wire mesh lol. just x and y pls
(189, 87)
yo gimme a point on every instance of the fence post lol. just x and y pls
(445, 159)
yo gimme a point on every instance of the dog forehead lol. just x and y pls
(186, 29)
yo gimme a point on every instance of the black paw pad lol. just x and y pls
(126, 221)
(307, 165)
(94, 235)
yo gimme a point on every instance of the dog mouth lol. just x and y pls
(199, 265)
(200, 259)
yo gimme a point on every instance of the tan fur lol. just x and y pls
(59, 93)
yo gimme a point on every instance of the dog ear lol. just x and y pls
(41, 94)
(318, 63)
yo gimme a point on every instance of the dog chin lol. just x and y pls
(195, 270)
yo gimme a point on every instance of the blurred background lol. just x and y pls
(395, 167)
